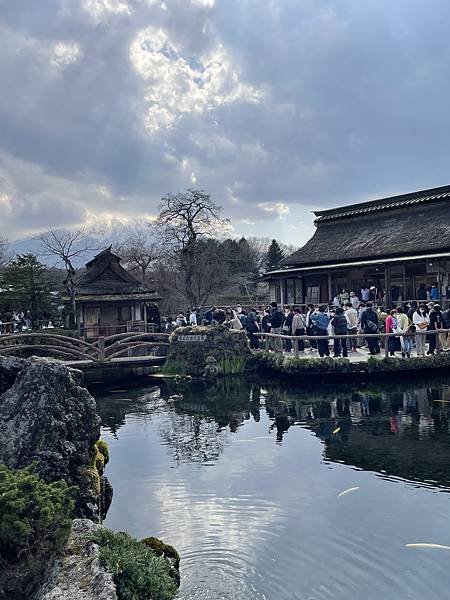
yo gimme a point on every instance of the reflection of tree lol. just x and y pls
(198, 430)
(192, 438)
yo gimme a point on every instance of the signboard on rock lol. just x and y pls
(191, 338)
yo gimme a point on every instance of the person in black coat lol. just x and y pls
(369, 324)
(339, 323)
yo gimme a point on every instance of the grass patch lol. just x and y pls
(139, 574)
(232, 365)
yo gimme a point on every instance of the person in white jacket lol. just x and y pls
(421, 320)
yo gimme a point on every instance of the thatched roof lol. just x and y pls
(105, 275)
(417, 223)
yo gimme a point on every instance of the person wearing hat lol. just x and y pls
(373, 293)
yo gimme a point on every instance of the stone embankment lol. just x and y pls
(79, 574)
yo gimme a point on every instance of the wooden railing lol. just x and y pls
(267, 337)
(103, 349)
(97, 330)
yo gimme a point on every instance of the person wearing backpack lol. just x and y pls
(339, 323)
(369, 324)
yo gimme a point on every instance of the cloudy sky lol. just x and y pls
(275, 107)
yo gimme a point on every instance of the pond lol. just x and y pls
(245, 478)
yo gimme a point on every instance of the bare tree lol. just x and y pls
(66, 246)
(139, 250)
(184, 221)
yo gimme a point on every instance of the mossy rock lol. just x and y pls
(102, 449)
(225, 345)
(162, 549)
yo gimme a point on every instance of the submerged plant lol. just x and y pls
(139, 574)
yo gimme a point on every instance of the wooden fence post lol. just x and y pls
(295, 344)
(386, 347)
(267, 342)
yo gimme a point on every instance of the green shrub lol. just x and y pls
(35, 522)
(33, 514)
(138, 573)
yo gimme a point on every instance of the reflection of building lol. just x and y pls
(394, 243)
(111, 300)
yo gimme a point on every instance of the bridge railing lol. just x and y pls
(274, 341)
(68, 348)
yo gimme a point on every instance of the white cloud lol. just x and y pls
(179, 84)
(99, 10)
(205, 3)
(65, 54)
(280, 208)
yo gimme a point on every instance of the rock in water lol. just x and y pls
(46, 417)
(79, 575)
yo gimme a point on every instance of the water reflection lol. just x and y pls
(244, 478)
(395, 430)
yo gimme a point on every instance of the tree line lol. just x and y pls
(187, 254)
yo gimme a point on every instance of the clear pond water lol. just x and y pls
(244, 479)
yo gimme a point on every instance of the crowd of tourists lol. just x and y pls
(349, 314)
(16, 321)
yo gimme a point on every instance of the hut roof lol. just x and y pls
(105, 275)
(417, 223)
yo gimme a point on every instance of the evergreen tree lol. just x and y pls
(26, 285)
(274, 255)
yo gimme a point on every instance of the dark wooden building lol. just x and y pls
(111, 300)
(394, 243)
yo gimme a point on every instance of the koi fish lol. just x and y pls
(352, 489)
(421, 545)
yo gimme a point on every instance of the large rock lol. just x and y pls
(47, 418)
(191, 346)
(78, 574)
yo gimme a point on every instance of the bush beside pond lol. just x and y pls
(138, 572)
(35, 522)
(228, 347)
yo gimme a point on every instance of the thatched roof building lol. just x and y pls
(401, 242)
(110, 299)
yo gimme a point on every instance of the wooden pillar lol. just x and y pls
(404, 295)
(387, 281)
(330, 291)
(282, 282)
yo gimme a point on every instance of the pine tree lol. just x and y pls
(274, 255)
(26, 286)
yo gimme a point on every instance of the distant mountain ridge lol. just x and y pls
(106, 233)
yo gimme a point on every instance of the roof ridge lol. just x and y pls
(390, 202)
